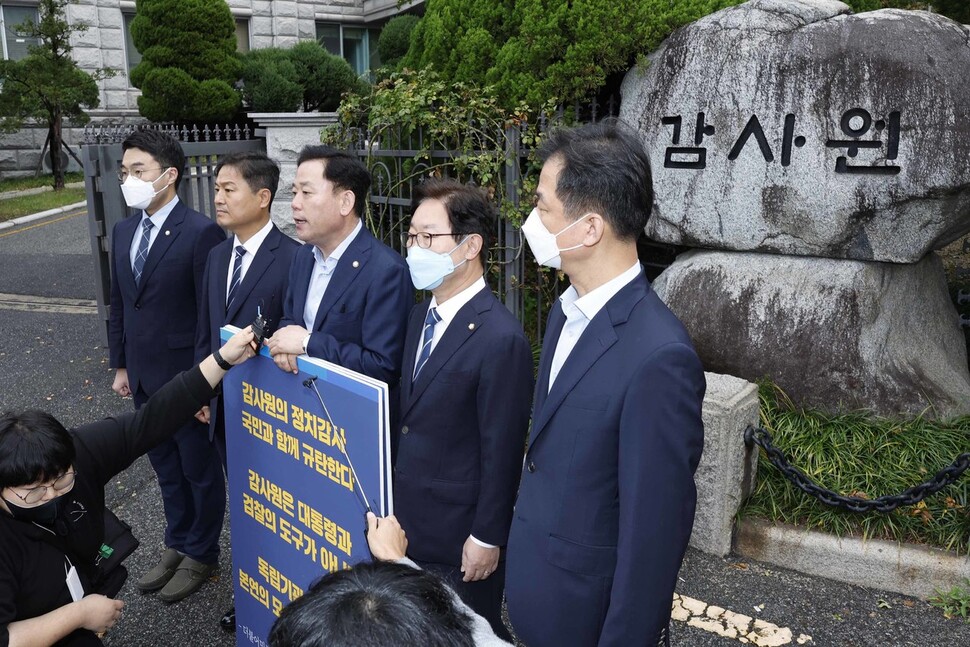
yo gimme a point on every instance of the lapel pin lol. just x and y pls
(167, 232)
(471, 326)
(356, 264)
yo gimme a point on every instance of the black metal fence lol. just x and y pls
(101, 155)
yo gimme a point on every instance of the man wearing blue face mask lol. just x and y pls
(158, 257)
(465, 399)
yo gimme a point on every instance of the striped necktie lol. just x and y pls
(429, 323)
(236, 275)
(142, 255)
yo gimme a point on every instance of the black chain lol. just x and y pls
(912, 496)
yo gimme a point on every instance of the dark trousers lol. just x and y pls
(484, 596)
(193, 490)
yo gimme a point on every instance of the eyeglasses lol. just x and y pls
(35, 494)
(123, 175)
(424, 238)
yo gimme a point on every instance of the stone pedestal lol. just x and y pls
(726, 474)
(835, 335)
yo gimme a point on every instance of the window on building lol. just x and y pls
(14, 43)
(132, 55)
(242, 35)
(358, 45)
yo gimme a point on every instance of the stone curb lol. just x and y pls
(43, 214)
(38, 189)
(909, 569)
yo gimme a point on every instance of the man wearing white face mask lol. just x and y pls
(465, 399)
(606, 504)
(158, 257)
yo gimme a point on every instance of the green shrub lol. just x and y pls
(856, 454)
(270, 81)
(189, 63)
(306, 75)
(395, 39)
(324, 76)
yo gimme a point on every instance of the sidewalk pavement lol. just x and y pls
(53, 359)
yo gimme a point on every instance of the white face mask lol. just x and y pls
(542, 242)
(429, 269)
(140, 193)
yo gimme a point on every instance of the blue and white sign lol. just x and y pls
(298, 471)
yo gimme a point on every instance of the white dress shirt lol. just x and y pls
(447, 312)
(252, 246)
(580, 310)
(158, 220)
(320, 278)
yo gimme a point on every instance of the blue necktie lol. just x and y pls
(429, 323)
(142, 255)
(236, 275)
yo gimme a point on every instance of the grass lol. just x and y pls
(19, 183)
(954, 603)
(25, 205)
(860, 455)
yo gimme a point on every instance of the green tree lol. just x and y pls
(395, 39)
(959, 10)
(47, 85)
(189, 63)
(531, 50)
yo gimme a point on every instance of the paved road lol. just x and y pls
(53, 359)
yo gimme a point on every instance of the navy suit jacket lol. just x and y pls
(263, 288)
(363, 314)
(152, 326)
(607, 499)
(464, 423)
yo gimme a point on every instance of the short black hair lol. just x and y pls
(34, 447)
(343, 169)
(469, 209)
(375, 603)
(604, 169)
(166, 150)
(259, 171)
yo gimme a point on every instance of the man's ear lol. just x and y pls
(347, 202)
(595, 228)
(473, 247)
(265, 198)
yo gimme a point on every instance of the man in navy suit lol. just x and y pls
(349, 294)
(606, 504)
(245, 275)
(157, 262)
(466, 393)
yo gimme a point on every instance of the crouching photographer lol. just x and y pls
(57, 572)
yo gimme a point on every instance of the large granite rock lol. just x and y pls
(835, 335)
(784, 86)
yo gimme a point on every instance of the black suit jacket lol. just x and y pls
(262, 289)
(152, 326)
(463, 429)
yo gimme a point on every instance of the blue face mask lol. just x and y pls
(428, 268)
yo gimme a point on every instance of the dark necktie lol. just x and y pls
(236, 275)
(142, 255)
(429, 324)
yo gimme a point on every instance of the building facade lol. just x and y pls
(348, 28)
